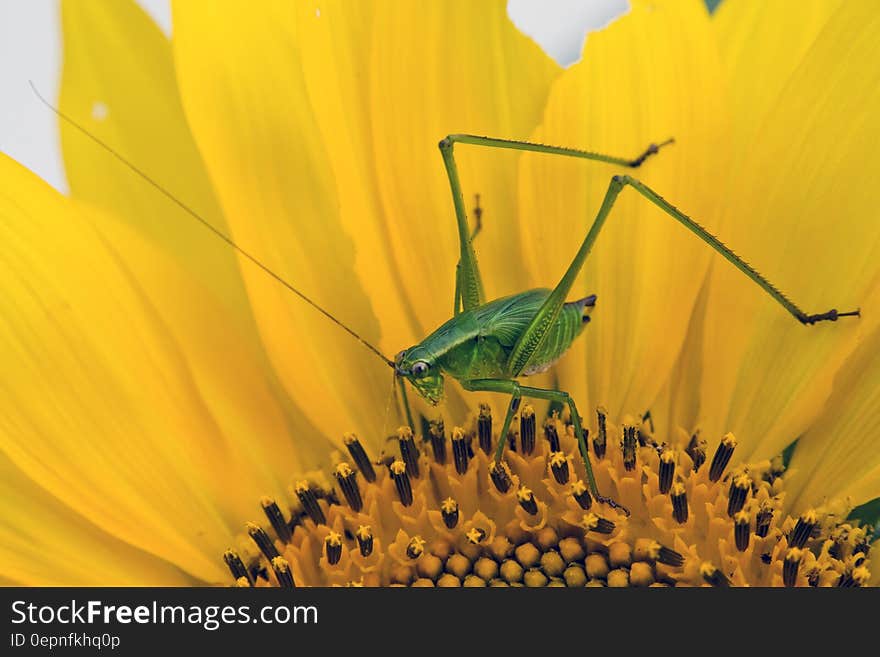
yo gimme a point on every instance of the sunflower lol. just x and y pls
(159, 390)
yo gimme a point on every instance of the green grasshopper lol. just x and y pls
(487, 346)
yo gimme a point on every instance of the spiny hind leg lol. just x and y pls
(517, 392)
(532, 336)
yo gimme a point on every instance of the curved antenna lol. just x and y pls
(219, 233)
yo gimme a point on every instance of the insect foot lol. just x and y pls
(446, 513)
(831, 316)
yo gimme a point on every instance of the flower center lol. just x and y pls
(444, 513)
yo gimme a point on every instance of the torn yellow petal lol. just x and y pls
(99, 407)
(648, 76)
(838, 457)
(801, 209)
(245, 98)
(45, 543)
(118, 82)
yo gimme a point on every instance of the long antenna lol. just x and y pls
(195, 215)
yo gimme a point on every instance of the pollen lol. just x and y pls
(426, 517)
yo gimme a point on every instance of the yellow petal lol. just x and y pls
(116, 56)
(476, 74)
(802, 209)
(648, 76)
(838, 456)
(99, 406)
(761, 46)
(244, 95)
(229, 379)
(325, 153)
(118, 81)
(44, 543)
(440, 68)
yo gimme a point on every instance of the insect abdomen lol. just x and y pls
(571, 321)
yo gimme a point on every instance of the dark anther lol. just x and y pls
(551, 435)
(438, 441)
(600, 442)
(629, 448)
(527, 500)
(261, 538)
(359, 456)
(696, 449)
(736, 496)
(581, 495)
(459, 451)
(678, 494)
(511, 440)
(857, 576)
(449, 511)
(347, 480)
(790, 566)
(364, 536)
(713, 575)
(276, 519)
(593, 523)
(500, 475)
(559, 467)
(408, 451)
(484, 428)
(762, 521)
(282, 572)
(722, 457)
(333, 547)
(401, 481)
(527, 427)
(667, 470)
(669, 557)
(309, 501)
(742, 531)
(416, 547)
(803, 529)
(236, 566)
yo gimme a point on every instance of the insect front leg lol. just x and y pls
(517, 392)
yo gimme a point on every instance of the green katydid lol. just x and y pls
(487, 346)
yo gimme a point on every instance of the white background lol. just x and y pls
(30, 49)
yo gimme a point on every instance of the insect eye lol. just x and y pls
(419, 368)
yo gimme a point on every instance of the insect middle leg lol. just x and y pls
(468, 283)
(517, 392)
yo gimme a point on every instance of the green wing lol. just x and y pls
(505, 319)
